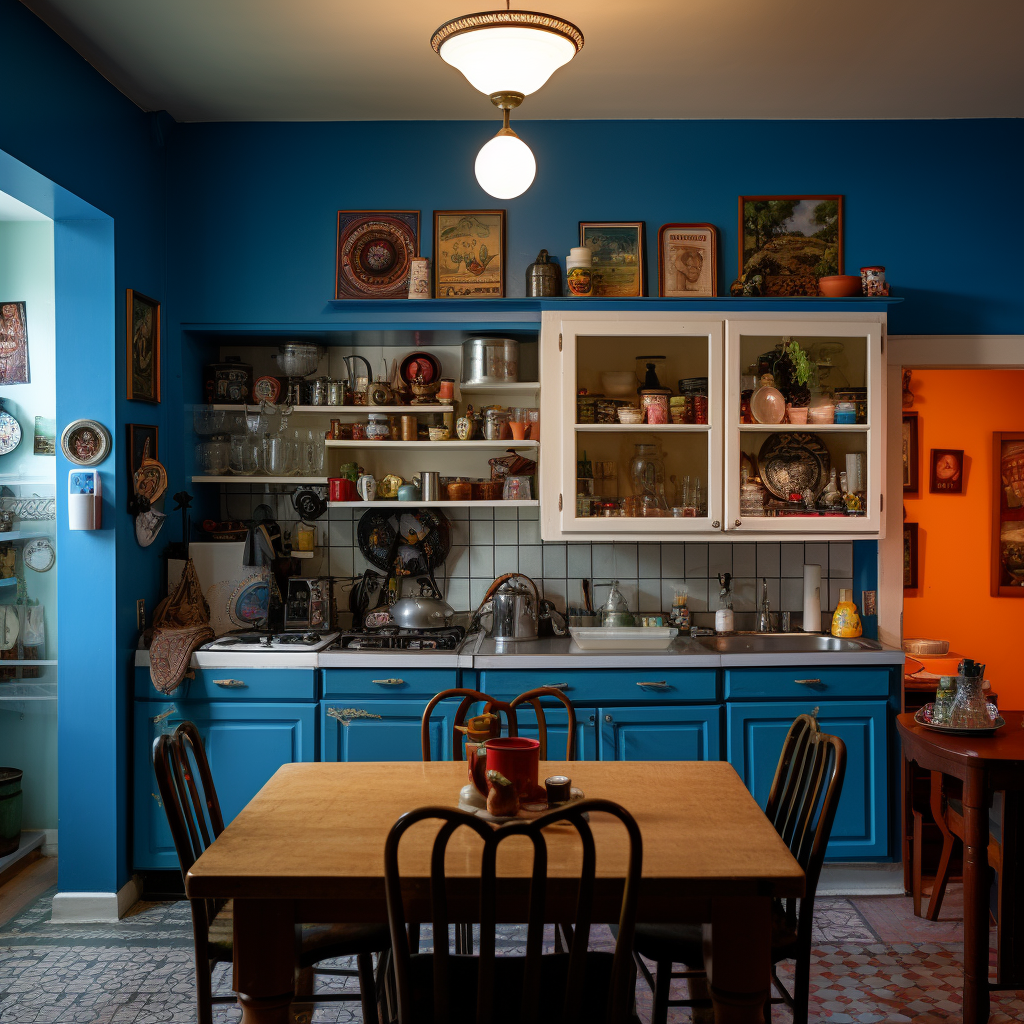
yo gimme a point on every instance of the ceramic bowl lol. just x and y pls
(619, 383)
(630, 414)
(767, 405)
(840, 286)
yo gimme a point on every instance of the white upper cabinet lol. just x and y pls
(604, 479)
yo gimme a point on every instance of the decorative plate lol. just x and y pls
(422, 364)
(39, 555)
(266, 389)
(923, 716)
(10, 626)
(85, 442)
(791, 463)
(10, 432)
(375, 251)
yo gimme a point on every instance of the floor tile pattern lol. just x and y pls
(139, 971)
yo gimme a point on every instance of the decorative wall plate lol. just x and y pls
(791, 463)
(10, 432)
(39, 555)
(375, 251)
(266, 389)
(85, 442)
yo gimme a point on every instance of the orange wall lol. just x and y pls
(961, 409)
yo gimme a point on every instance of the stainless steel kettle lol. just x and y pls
(514, 608)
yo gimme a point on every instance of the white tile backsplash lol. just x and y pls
(720, 559)
(696, 560)
(649, 560)
(506, 531)
(578, 562)
(554, 561)
(673, 563)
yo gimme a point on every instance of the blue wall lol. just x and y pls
(252, 206)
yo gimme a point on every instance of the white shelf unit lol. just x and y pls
(500, 389)
(12, 536)
(642, 428)
(450, 445)
(433, 504)
(803, 428)
(257, 478)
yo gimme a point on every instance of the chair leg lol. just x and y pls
(204, 990)
(301, 1010)
(915, 860)
(367, 987)
(662, 987)
(802, 987)
(941, 877)
(699, 990)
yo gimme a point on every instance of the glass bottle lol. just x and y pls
(647, 475)
(725, 619)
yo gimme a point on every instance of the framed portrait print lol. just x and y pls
(1008, 514)
(375, 253)
(911, 449)
(687, 261)
(469, 254)
(143, 319)
(910, 566)
(947, 471)
(790, 241)
(617, 250)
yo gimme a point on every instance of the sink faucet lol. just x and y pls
(764, 616)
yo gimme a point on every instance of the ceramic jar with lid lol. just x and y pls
(377, 427)
(578, 272)
(872, 280)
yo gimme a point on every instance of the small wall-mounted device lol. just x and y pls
(85, 499)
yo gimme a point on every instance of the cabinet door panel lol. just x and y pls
(756, 734)
(383, 730)
(558, 724)
(660, 733)
(245, 745)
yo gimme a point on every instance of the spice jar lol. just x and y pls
(872, 281)
(654, 405)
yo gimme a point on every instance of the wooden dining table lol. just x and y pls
(309, 847)
(984, 764)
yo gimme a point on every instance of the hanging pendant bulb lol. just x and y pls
(505, 166)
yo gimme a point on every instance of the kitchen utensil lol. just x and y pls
(543, 277)
(514, 758)
(430, 485)
(494, 423)
(647, 475)
(379, 392)
(308, 503)
(519, 428)
(424, 393)
(404, 542)
(335, 392)
(355, 383)
(459, 490)
(623, 638)
(615, 612)
(366, 485)
(791, 463)
(422, 611)
(514, 608)
(408, 492)
(297, 358)
(629, 414)
(490, 361)
(410, 428)
(926, 648)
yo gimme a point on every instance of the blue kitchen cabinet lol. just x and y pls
(245, 744)
(660, 733)
(757, 731)
(557, 720)
(383, 730)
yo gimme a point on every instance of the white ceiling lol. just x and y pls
(319, 60)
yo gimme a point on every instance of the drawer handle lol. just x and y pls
(557, 686)
(230, 683)
(659, 685)
(808, 682)
(165, 714)
(388, 682)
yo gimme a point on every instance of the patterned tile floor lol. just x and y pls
(873, 963)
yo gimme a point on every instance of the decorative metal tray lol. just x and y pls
(923, 716)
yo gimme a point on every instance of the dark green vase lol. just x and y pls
(10, 810)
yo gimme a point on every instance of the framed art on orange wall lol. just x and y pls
(1008, 514)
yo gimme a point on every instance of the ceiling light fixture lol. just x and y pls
(507, 55)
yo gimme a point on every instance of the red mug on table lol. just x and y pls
(512, 761)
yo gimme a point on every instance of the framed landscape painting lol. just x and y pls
(617, 251)
(790, 241)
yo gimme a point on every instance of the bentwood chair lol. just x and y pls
(532, 697)
(193, 813)
(577, 987)
(802, 806)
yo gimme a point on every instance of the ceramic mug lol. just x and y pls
(515, 757)
(340, 488)
(366, 485)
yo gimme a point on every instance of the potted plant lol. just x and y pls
(793, 371)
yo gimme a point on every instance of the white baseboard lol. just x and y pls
(94, 907)
(861, 880)
(49, 842)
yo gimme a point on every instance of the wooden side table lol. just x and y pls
(984, 764)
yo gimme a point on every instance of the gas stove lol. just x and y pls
(261, 641)
(393, 638)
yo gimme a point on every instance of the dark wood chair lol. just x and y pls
(469, 698)
(532, 697)
(802, 806)
(568, 988)
(193, 813)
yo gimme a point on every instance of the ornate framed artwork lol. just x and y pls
(687, 261)
(469, 254)
(143, 443)
(375, 253)
(1008, 514)
(790, 241)
(618, 250)
(947, 471)
(910, 566)
(13, 343)
(911, 454)
(143, 320)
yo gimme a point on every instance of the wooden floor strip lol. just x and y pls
(26, 886)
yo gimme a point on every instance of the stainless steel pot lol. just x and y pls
(490, 361)
(422, 611)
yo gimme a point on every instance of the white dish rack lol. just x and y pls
(623, 638)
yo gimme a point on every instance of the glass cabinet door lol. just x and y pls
(641, 408)
(804, 407)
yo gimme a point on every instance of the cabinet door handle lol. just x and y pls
(608, 718)
(659, 685)
(230, 683)
(557, 686)
(807, 682)
(591, 719)
(388, 682)
(738, 523)
(716, 524)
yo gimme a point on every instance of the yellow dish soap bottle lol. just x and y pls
(846, 621)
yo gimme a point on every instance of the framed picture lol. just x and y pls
(910, 556)
(13, 343)
(911, 449)
(947, 471)
(617, 248)
(687, 261)
(469, 254)
(790, 241)
(375, 252)
(1008, 514)
(142, 443)
(143, 321)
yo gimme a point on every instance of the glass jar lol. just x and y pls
(969, 710)
(945, 694)
(822, 408)
(377, 428)
(647, 475)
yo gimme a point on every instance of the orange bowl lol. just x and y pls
(839, 286)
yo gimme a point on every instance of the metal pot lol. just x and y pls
(297, 358)
(424, 611)
(514, 608)
(490, 361)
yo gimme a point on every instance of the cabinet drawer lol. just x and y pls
(654, 685)
(384, 682)
(233, 684)
(807, 683)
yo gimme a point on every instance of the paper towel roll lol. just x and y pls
(812, 598)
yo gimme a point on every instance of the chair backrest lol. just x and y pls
(469, 697)
(623, 971)
(533, 697)
(789, 774)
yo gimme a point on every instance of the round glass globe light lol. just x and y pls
(505, 167)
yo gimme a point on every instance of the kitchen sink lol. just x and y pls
(783, 643)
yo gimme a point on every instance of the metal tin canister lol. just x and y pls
(490, 361)
(227, 383)
(543, 277)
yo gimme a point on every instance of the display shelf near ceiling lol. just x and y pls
(433, 504)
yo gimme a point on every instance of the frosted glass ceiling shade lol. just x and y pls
(507, 51)
(505, 166)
